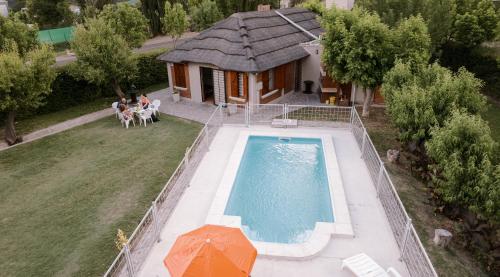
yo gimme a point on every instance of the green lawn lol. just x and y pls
(451, 262)
(37, 122)
(63, 197)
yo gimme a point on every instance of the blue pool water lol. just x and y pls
(281, 189)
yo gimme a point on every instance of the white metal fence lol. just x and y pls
(147, 232)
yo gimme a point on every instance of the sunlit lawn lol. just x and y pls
(63, 197)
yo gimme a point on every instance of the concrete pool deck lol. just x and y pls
(373, 235)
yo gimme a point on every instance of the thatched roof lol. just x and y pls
(249, 41)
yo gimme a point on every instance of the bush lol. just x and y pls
(68, 90)
(465, 175)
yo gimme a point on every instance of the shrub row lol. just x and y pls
(68, 90)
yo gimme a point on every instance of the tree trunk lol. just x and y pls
(10, 129)
(367, 102)
(117, 88)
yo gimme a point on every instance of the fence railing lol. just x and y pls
(412, 251)
(148, 231)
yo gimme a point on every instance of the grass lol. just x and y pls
(63, 197)
(454, 261)
(37, 122)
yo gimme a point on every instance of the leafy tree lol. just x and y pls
(50, 13)
(175, 21)
(98, 4)
(412, 41)
(127, 21)
(464, 173)
(421, 97)
(24, 83)
(205, 15)
(12, 30)
(465, 22)
(358, 49)
(103, 56)
(154, 10)
(315, 6)
(393, 11)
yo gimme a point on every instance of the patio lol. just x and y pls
(373, 234)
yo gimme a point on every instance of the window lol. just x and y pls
(241, 91)
(179, 75)
(271, 79)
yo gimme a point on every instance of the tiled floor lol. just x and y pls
(373, 235)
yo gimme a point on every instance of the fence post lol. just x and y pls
(363, 145)
(247, 114)
(285, 112)
(405, 238)
(156, 222)
(351, 119)
(128, 260)
(221, 116)
(379, 180)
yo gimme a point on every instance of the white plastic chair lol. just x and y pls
(115, 107)
(363, 266)
(155, 107)
(126, 120)
(144, 116)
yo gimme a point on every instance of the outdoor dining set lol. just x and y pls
(136, 111)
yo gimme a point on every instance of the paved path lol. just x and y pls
(185, 109)
(68, 124)
(154, 43)
(199, 112)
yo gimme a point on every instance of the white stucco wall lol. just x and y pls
(195, 82)
(357, 94)
(311, 65)
(344, 4)
(170, 78)
(253, 92)
(4, 8)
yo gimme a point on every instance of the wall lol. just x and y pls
(311, 65)
(344, 4)
(195, 82)
(4, 8)
(253, 90)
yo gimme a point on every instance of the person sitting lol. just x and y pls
(144, 101)
(123, 101)
(125, 111)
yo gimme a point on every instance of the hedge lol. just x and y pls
(68, 91)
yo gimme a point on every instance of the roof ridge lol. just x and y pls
(246, 43)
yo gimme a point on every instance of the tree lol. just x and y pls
(128, 22)
(315, 6)
(50, 13)
(154, 10)
(103, 56)
(421, 97)
(412, 41)
(175, 21)
(12, 30)
(465, 22)
(24, 83)
(205, 15)
(358, 49)
(465, 175)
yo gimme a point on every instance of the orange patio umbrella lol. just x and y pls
(211, 251)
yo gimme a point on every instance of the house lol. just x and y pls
(249, 57)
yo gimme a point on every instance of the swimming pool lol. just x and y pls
(287, 196)
(281, 189)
